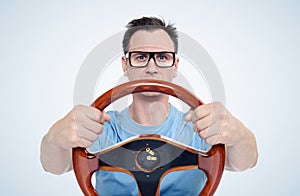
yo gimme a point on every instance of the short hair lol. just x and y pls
(149, 24)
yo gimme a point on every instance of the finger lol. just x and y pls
(204, 123)
(96, 115)
(188, 116)
(104, 117)
(85, 143)
(212, 140)
(213, 130)
(87, 134)
(94, 127)
(82, 137)
(86, 123)
(93, 113)
(200, 112)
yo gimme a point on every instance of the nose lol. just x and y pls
(151, 67)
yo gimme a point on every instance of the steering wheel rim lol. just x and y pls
(211, 162)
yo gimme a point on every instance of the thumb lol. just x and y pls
(188, 116)
(106, 116)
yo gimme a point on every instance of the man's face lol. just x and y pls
(150, 41)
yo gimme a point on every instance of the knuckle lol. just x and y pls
(221, 117)
(224, 136)
(94, 137)
(196, 129)
(197, 125)
(95, 113)
(76, 112)
(88, 144)
(202, 134)
(100, 130)
(74, 140)
(78, 108)
(73, 123)
(208, 141)
(217, 104)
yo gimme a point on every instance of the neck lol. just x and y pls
(149, 110)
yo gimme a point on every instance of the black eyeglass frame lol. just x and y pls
(151, 55)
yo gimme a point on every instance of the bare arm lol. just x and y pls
(243, 154)
(216, 125)
(80, 127)
(55, 159)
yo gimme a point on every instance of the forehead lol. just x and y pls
(151, 41)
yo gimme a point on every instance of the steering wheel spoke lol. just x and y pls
(148, 158)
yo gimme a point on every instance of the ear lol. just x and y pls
(176, 63)
(124, 65)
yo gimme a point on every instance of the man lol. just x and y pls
(149, 46)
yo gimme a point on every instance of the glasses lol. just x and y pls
(141, 59)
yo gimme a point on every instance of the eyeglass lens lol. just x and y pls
(141, 59)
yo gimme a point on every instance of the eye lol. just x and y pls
(163, 57)
(139, 57)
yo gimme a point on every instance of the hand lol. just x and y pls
(79, 128)
(216, 125)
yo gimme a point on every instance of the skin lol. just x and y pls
(150, 108)
(213, 122)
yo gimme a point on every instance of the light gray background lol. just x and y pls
(255, 45)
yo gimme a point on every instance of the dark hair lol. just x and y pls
(149, 24)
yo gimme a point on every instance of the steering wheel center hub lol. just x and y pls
(147, 159)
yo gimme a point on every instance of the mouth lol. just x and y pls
(152, 77)
(146, 77)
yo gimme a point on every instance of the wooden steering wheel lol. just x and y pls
(148, 158)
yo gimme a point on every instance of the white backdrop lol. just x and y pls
(255, 45)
